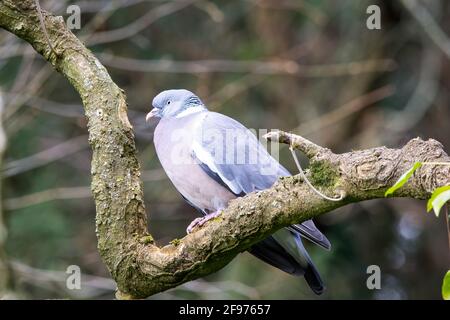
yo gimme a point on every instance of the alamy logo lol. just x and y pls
(74, 19)
(374, 280)
(73, 281)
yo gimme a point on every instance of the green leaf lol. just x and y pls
(403, 179)
(439, 197)
(446, 286)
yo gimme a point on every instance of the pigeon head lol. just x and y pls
(175, 103)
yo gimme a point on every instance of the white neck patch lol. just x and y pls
(190, 110)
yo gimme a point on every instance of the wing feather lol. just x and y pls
(232, 155)
(229, 151)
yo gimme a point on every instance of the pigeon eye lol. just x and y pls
(168, 101)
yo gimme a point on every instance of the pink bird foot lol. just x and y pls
(201, 221)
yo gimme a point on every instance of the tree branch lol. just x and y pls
(297, 142)
(139, 267)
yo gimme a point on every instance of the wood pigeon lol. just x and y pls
(211, 159)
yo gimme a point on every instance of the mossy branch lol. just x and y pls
(138, 266)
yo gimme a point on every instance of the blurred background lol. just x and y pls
(307, 66)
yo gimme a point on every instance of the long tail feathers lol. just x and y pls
(284, 250)
(313, 279)
(308, 230)
(271, 252)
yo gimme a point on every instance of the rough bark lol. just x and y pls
(138, 266)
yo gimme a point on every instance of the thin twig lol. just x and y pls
(139, 24)
(274, 66)
(429, 25)
(310, 11)
(421, 100)
(34, 85)
(234, 88)
(91, 285)
(90, 6)
(63, 109)
(46, 156)
(66, 193)
(437, 163)
(47, 195)
(309, 148)
(212, 10)
(345, 110)
(299, 167)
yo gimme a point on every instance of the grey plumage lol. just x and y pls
(211, 159)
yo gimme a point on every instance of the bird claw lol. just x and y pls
(198, 222)
(193, 224)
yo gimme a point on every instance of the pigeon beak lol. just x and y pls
(152, 114)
